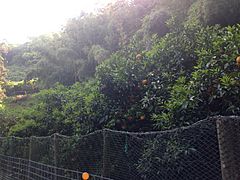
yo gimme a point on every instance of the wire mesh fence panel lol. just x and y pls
(19, 147)
(81, 153)
(4, 145)
(13, 168)
(189, 153)
(16, 168)
(41, 149)
(121, 152)
(14, 146)
(185, 153)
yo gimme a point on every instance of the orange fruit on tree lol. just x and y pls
(238, 60)
(142, 117)
(144, 82)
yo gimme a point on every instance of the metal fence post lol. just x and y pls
(228, 129)
(29, 157)
(106, 159)
(55, 154)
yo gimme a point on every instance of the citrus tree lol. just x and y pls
(212, 88)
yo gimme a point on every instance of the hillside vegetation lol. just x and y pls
(140, 65)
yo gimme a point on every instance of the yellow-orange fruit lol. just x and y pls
(144, 82)
(142, 117)
(85, 176)
(238, 60)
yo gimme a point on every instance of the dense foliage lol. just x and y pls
(136, 65)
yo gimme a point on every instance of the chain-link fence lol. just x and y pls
(189, 153)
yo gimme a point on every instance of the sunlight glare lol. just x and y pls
(28, 18)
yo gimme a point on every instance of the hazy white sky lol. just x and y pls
(20, 19)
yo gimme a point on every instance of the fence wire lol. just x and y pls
(12, 168)
(189, 153)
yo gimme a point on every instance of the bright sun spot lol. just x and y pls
(21, 19)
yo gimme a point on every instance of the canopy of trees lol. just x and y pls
(138, 65)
